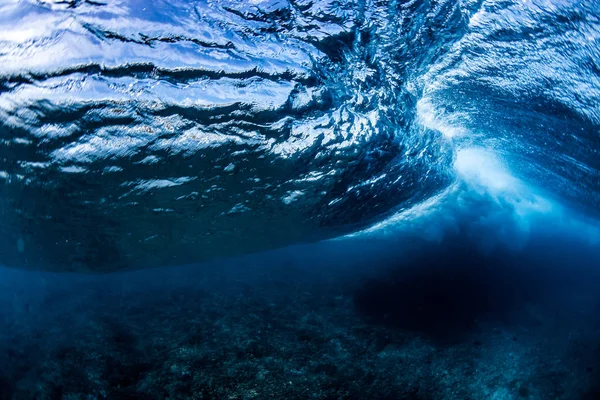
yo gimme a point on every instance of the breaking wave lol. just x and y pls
(135, 135)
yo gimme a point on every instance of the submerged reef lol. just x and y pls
(318, 322)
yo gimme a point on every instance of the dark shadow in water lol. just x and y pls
(442, 290)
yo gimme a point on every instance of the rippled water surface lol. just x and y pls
(136, 134)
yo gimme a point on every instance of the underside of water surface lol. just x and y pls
(138, 135)
(299, 199)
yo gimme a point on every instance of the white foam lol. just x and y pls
(484, 192)
(429, 117)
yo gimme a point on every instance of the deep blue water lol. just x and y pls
(299, 199)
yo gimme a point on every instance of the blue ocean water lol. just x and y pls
(299, 199)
